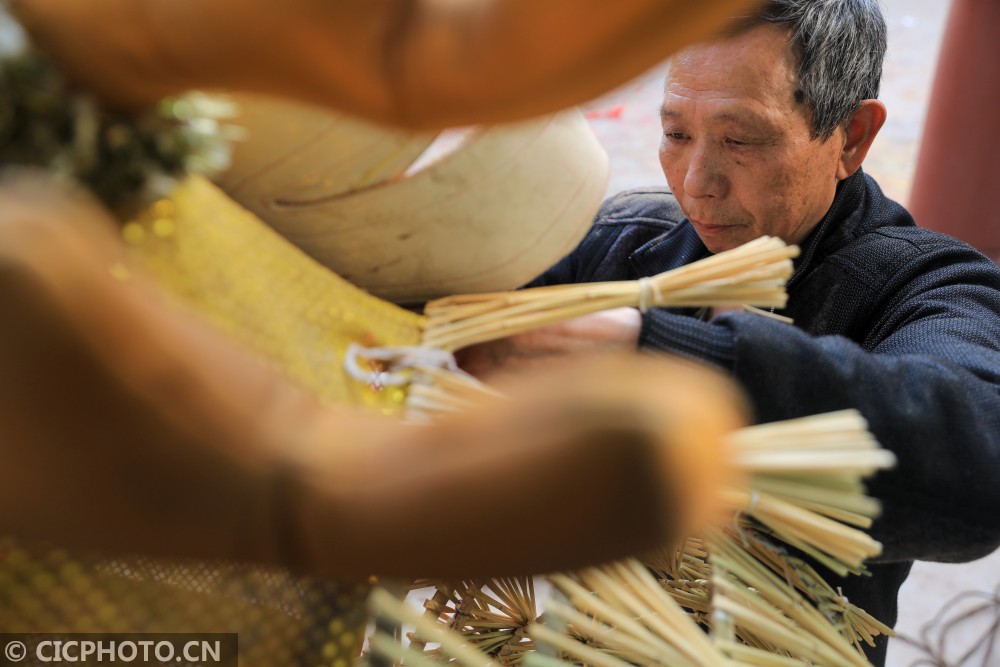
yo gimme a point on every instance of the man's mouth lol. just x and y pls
(709, 226)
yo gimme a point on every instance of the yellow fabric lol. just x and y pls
(226, 265)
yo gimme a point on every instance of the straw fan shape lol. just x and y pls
(763, 604)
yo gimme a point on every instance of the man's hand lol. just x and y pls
(610, 330)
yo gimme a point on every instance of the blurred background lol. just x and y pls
(627, 123)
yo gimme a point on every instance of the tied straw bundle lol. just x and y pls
(765, 605)
(753, 274)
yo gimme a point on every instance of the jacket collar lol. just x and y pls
(837, 228)
(671, 250)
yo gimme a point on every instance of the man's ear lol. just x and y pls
(860, 132)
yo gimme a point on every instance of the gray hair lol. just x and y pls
(840, 45)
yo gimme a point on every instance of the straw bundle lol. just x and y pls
(752, 274)
(766, 606)
(802, 491)
(805, 485)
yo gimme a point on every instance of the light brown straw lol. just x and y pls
(752, 274)
(803, 489)
(384, 604)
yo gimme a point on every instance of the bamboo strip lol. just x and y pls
(480, 596)
(503, 305)
(850, 502)
(812, 429)
(542, 660)
(473, 331)
(438, 600)
(383, 644)
(651, 653)
(808, 648)
(481, 621)
(848, 463)
(722, 264)
(847, 544)
(585, 601)
(806, 622)
(793, 571)
(755, 657)
(821, 557)
(695, 645)
(849, 420)
(766, 313)
(835, 513)
(691, 600)
(850, 485)
(540, 633)
(723, 586)
(871, 624)
(478, 638)
(832, 440)
(515, 591)
(805, 503)
(787, 516)
(732, 262)
(779, 593)
(383, 603)
(618, 592)
(737, 277)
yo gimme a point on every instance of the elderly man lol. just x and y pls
(764, 132)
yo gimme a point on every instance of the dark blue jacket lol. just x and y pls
(897, 321)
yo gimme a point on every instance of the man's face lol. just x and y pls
(736, 147)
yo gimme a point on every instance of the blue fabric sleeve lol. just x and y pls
(687, 337)
(930, 390)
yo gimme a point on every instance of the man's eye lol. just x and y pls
(736, 142)
(675, 136)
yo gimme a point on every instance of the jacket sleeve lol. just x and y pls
(927, 380)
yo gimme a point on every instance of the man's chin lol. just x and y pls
(721, 237)
(723, 240)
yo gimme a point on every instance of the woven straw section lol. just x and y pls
(281, 619)
(222, 263)
(231, 268)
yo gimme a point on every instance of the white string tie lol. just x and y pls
(398, 360)
(649, 294)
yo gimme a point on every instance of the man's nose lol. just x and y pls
(704, 176)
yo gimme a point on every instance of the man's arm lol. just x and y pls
(929, 385)
(416, 63)
(928, 382)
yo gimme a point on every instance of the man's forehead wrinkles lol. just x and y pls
(731, 114)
